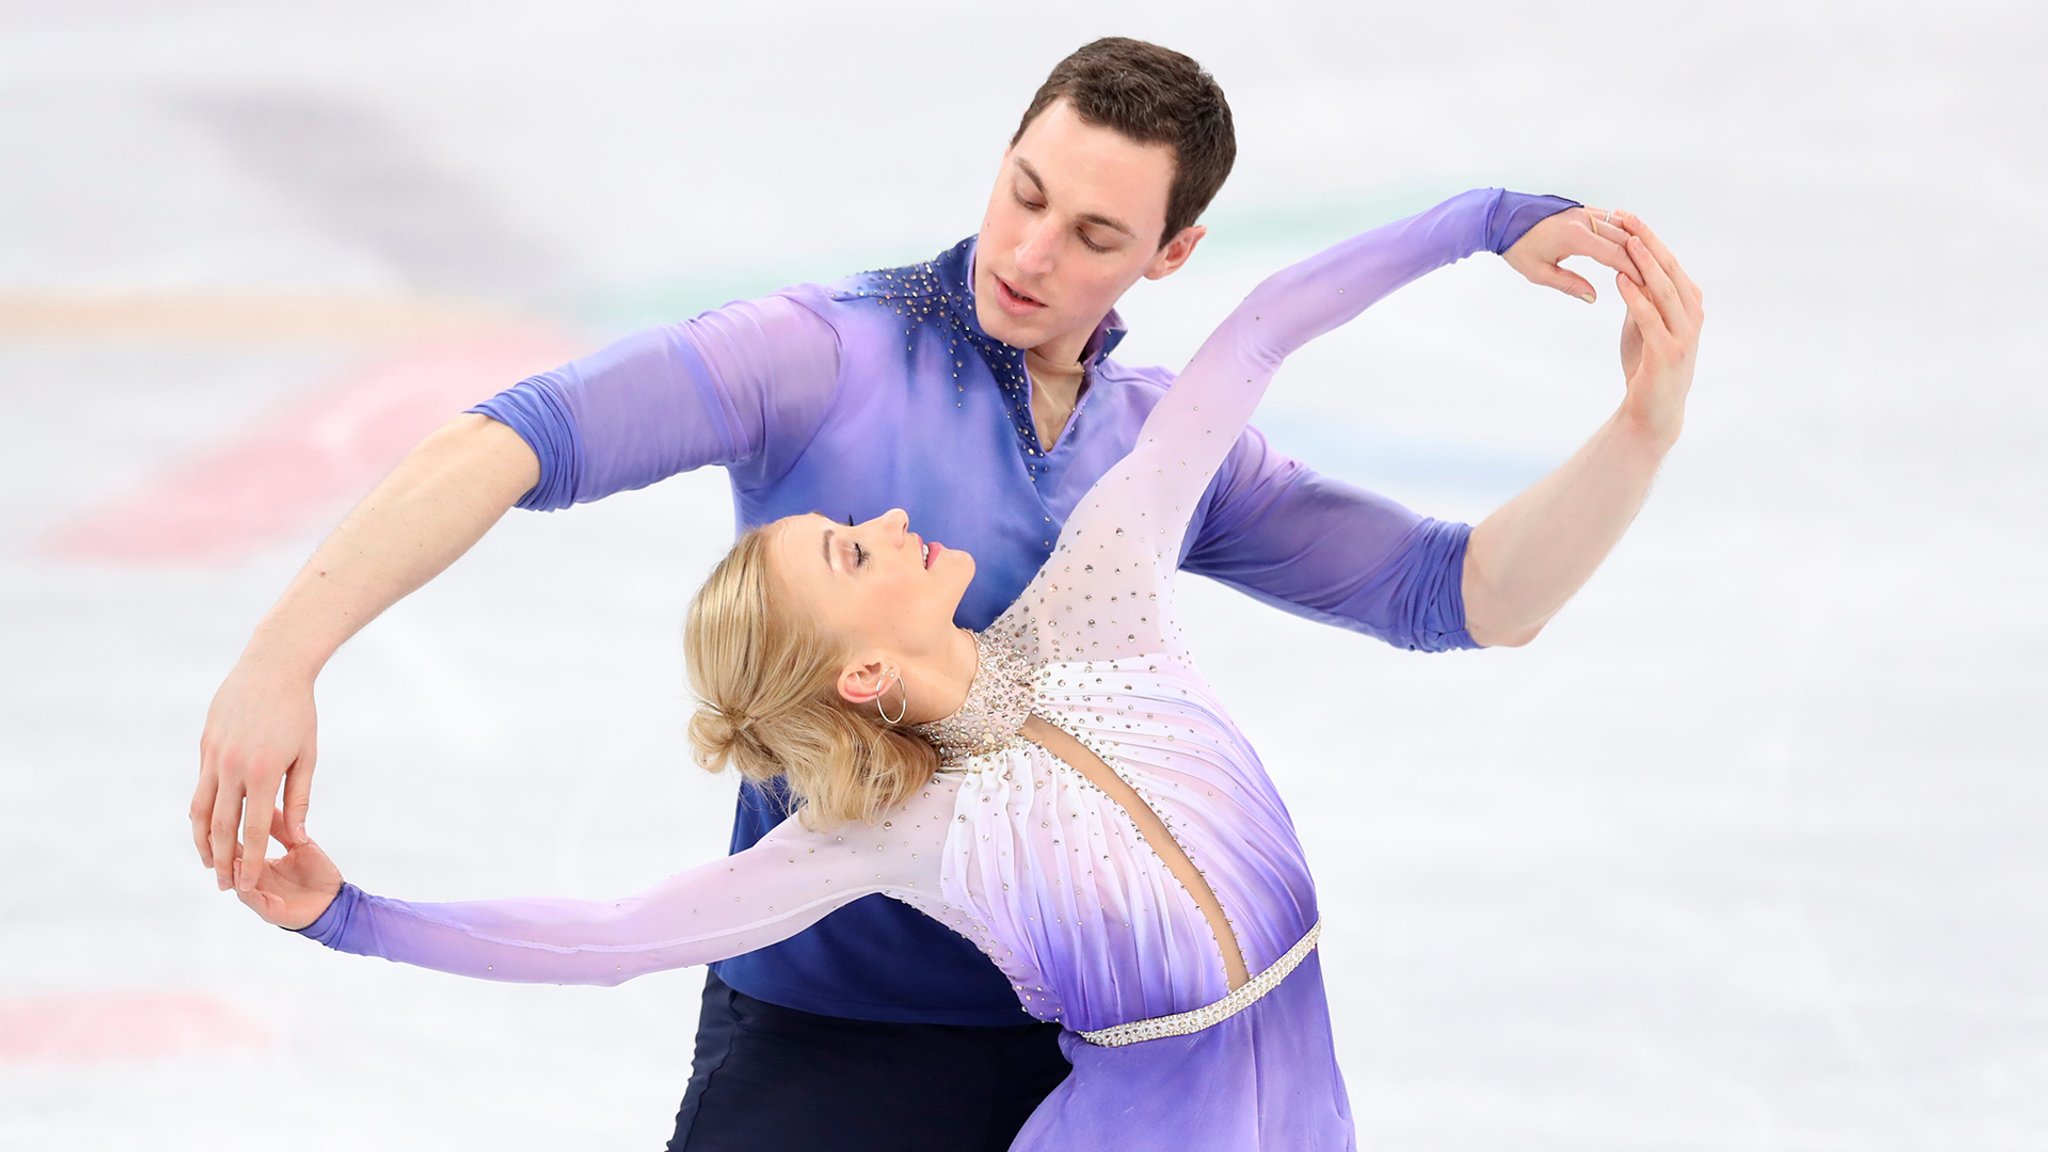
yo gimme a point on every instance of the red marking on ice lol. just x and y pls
(89, 1028)
(303, 465)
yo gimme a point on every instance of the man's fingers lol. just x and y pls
(256, 815)
(227, 815)
(202, 815)
(1648, 321)
(1658, 251)
(298, 794)
(288, 834)
(1659, 286)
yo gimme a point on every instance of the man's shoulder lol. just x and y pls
(922, 284)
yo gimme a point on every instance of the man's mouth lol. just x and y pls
(1013, 297)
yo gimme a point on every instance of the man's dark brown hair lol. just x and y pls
(1152, 95)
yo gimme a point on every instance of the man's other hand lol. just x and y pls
(259, 735)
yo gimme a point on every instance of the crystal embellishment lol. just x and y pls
(1186, 1023)
(997, 702)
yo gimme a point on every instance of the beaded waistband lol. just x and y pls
(1183, 1023)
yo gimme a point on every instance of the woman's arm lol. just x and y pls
(788, 881)
(1123, 541)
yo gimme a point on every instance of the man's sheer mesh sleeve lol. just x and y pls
(743, 386)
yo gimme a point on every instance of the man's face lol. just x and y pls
(1074, 220)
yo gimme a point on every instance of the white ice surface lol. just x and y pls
(1750, 850)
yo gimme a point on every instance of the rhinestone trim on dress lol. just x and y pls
(1184, 1023)
(997, 702)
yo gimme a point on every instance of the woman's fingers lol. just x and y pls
(1605, 245)
(263, 903)
(1601, 221)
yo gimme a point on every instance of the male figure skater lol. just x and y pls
(978, 392)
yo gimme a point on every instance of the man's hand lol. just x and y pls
(1661, 335)
(438, 502)
(297, 886)
(1593, 232)
(259, 733)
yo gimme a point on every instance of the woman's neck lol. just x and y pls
(937, 683)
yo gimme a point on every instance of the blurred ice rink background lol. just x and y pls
(1749, 851)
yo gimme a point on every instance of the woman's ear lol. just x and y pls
(862, 683)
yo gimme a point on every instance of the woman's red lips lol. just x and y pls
(932, 550)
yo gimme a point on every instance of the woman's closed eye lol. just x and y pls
(860, 554)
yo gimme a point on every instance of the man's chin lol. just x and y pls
(1003, 326)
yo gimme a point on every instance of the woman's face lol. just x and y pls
(886, 591)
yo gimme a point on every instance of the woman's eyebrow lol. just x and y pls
(828, 548)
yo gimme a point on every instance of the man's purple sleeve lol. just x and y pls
(744, 386)
(1335, 553)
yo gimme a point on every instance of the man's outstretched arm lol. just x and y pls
(743, 386)
(431, 509)
(1527, 559)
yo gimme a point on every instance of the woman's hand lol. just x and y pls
(1572, 232)
(295, 888)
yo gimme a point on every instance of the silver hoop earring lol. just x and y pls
(900, 712)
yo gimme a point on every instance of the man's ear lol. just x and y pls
(861, 682)
(1176, 252)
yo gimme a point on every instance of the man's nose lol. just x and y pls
(1034, 251)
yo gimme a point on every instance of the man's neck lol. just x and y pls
(1056, 390)
(1064, 350)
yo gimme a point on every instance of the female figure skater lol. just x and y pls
(1061, 788)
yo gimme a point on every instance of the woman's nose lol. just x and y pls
(897, 520)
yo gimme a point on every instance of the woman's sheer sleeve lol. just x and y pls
(785, 883)
(1105, 591)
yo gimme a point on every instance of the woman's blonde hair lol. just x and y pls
(768, 676)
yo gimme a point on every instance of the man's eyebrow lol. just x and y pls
(1031, 173)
